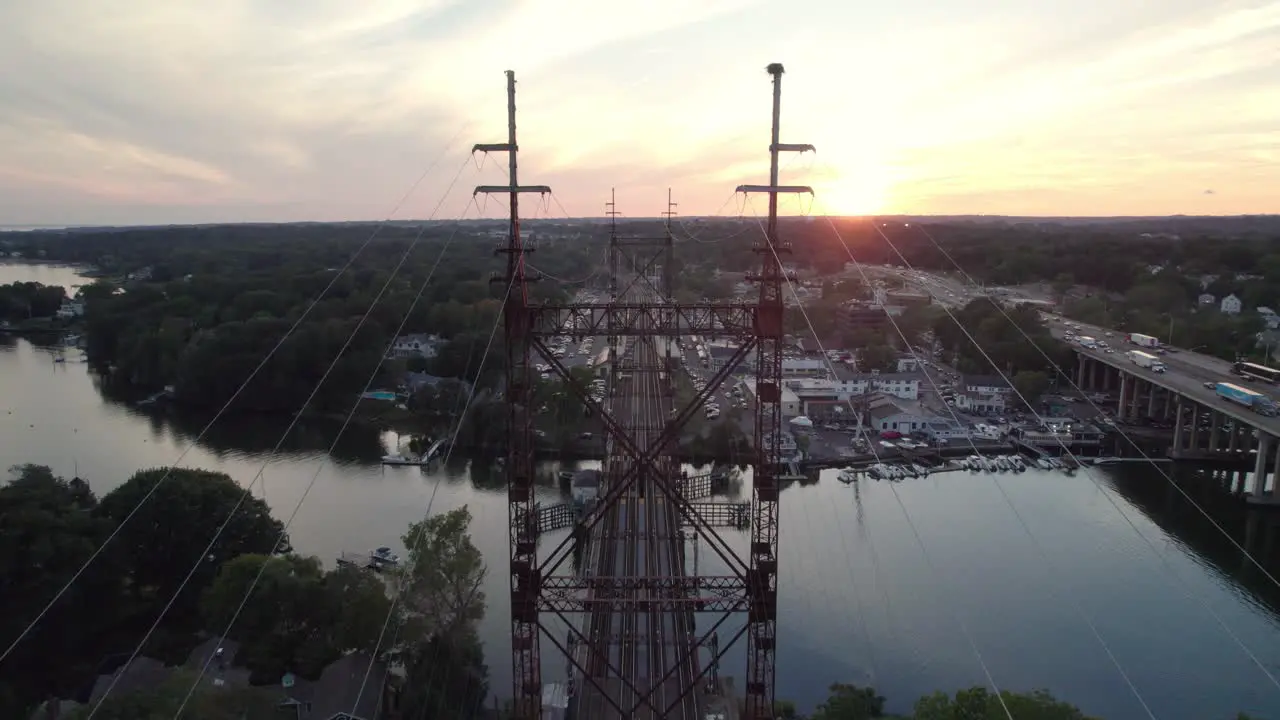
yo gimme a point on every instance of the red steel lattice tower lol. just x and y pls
(525, 664)
(752, 586)
(762, 578)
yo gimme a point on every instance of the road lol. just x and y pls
(1187, 371)
(1204, 367)
(1184, 377)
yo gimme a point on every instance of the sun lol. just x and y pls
(860, 193)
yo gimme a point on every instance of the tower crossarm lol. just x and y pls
(776, 189)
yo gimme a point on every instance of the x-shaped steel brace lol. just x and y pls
(560, 553)
(684, 657)
(641, 274)
(715, 659)
(587, 674)
(646, 459)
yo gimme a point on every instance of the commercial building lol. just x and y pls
(885, 415)
(866, 316)
(986, 385)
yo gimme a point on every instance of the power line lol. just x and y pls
(249, 488)
(430, 503)
(1106, 647)
(964, 629)
(342, 429)
(1128, 520)
(234, 396)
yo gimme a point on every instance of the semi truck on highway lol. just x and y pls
(1255, 401)
(1147, 341)
(1086, 341)
(1145, 360)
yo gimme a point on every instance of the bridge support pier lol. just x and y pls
(1215, 420)
(1122, 408)
(1257, 488)
(1179, 418)
(1151, 400)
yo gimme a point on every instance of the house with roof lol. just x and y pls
(1206, 299)
(1230, 305)
(982, 403)
(1269, 317)
(419, 345)
(883, 414)
(70, 309)
(353, 687)
(944, 429)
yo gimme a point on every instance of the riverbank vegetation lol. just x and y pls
(299, 619)
(197, 308)
(850, 702)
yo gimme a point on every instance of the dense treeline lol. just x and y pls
(199, 307)
(50, 526)
(1137, 276)
(28, 300)
(850, 702)
(298, 619)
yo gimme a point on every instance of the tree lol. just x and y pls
(1062, 284)
(298, 618)
(171, 532)
(877, 357)
(48, 530)
(1030, 385)
(446, 679)
(442, 579)
(208, 702)
(850, 702)
(978, 703)
(785, 710)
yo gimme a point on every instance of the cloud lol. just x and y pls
(326, 109)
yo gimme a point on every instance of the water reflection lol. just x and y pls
(1179, 514)
(254, 434)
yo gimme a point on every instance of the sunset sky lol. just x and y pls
(163, 111)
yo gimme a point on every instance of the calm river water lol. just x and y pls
(1171, 599)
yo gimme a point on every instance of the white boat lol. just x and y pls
(1043, 464)
(400, 459)
(383, 557)
(847, 476)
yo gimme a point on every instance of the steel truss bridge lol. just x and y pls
(646, 633)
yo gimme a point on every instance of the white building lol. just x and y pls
(1269, 317)
(70, 309)
(944, 429)
(803, 367)
(885, 415)
(908, 363)
(986, 385)
(976, 402)
(417, 345)
(791, 405)
(1230, 305)
(905, 386)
